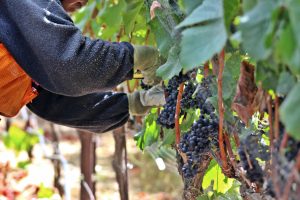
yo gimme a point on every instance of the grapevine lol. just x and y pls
(239, 111)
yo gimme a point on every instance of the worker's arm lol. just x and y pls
(99, 112)
(44, 41)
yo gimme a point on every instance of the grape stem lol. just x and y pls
(284, 142)
(270, 112)
(236, 139)
(147, 37)
(177, 113)
(221, 111)
(206, 69)
(232, 157)
(119, 35)
(276, 126)
(128, 86)
(248, 158)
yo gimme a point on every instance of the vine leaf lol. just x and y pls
(290, 112)
(286, 44)
(231, 8)
(266, 76)
(294, 14)
(220, 183)
(285, 83)
(163, 39)
(255, 27)
(191, 5)
(172, 67)
(207, 23)
(150, 131)
(111, 17)
(249, 4)
(195, 48)
(188, 120)
(231, 75)
(293, 36)
(169, 137)
(208, 10)
(132, 10)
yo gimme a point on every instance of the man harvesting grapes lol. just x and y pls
(62, 76)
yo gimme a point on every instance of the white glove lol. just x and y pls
(141, 101)
(147, 60)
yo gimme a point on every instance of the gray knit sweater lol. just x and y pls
(74, 71)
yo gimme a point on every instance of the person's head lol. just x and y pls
(73, 5)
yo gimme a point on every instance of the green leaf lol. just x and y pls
(249, 4)
(163, 38)
(290, 112)
(132, 10)
(285, 83)
(228, 86)
(83, 16)
(231, 194)
(23, 164)
(112, 18)
(186, 124)
(195, 46)
(172, 67)
(231, 9)
(208, 10)
(150, 132)
(190, 5)
(294, 15)
(286, 44)
(215, 175)
(231, 76)
(267, 76)
(255, 26)
(15, 139)
(295, 61)
(169, 137)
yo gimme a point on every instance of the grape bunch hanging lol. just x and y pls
(201, 142)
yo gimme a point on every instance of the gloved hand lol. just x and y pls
(147, 60)
(141, 101)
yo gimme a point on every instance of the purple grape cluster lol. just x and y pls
(195, 96)
(198, 141)
(249, 163)
(167, 115)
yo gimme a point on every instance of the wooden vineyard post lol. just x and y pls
(56, 163)
(119, 162)
(87, 165)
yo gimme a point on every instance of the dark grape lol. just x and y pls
(187, 100)
(144, 86)
(253, 170)
(167, 115)
(198, 141)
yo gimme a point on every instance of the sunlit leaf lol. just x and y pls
(195, 48)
